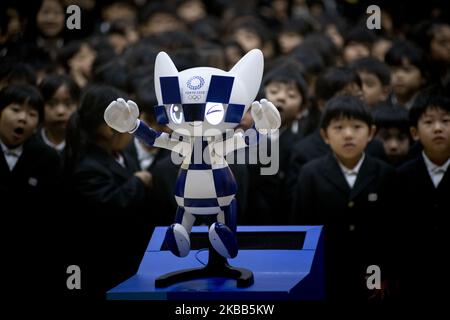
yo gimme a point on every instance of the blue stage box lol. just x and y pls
(287, 263)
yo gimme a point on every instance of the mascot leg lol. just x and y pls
(177, 235)
(222, 234)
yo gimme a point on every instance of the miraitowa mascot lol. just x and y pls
(200, 105)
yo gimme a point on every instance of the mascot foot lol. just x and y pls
(177, 239)
(223, 240)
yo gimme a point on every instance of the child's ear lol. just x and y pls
(324, 135)
(414, 133)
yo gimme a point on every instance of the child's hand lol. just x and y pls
(122, 116)
(265, 115)
(145, 176)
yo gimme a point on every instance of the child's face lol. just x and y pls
(82, 61)
(406, 80)
(247, 39)
(191, 11)
(395, 143)
(354, 51)
(440, 45)
(59, 109)
(373, 91)
(380, 48)
(347, 138)
(50, 18)
(287, 99)
(18, 122)
(288, 41)
(433, 131)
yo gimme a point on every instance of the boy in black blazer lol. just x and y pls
(28, 169)
(347, 191)
(29, 174)
(425, 189)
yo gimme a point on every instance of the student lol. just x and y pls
(292, 33)
(250, 33)
(77, 58)
(425, 186)
(285, 87)
(407, 63)
(334, 81)
(46, 30)
(107, 193)
(28, 168)
(358, 44)
(393, 131)
(61, 95)
(29, 176)
(347, 191)
(380, 47)
(433, 37)
(376, 80)
(158, 17)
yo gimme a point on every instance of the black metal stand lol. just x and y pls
(217, 266)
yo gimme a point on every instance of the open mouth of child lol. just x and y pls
(19, 131)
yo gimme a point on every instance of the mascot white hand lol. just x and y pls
(122, 116)
(265, 115)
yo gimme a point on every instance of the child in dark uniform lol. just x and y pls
(29, 175)
(425, 189)
(28, 168)
(348, 192)
(108, 194)
(61, 96)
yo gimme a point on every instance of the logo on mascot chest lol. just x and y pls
(195, 83)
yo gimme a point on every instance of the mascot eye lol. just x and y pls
(214, 113)
(176, 113)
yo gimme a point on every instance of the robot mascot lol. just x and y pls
(200, 105)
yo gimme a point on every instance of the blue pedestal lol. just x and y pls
(287, 263)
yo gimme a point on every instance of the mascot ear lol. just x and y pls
(164, 67)
(249, 70)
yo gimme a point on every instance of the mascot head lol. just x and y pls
(206, 101)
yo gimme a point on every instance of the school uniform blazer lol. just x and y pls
(34, 178)
(313, 147)
(100, 181)
(354, 219)
(420, 194)
(423, 229)
(29, 201)
(323, 194)
(112, 219)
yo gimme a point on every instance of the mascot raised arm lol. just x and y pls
(200, 105)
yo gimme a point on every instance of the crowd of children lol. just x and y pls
(364, 144)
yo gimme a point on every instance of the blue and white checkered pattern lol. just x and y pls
(204, 185)
(220, 91)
